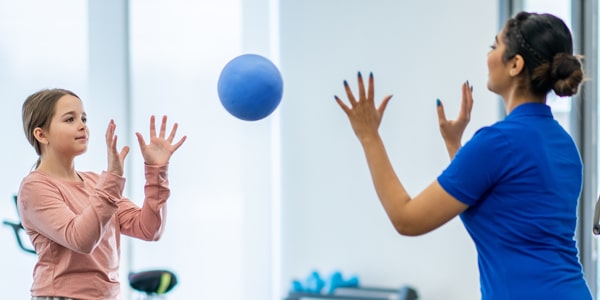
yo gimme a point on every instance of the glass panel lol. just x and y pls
(561, 106)
(178, 48)
(43, 44)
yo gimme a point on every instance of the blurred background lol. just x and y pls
(255, 205)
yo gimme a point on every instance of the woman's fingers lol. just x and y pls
(440, 112)
(361, 87)
(371, 92)
(351, 98)
(343, 105)
(383, 105)
(365, 95)
(467, 101)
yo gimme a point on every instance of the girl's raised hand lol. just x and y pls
(115, 158)
(160, 147)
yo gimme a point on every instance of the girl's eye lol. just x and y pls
(69, 120)
(493, 46)
(84, 119)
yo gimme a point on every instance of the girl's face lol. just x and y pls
(68, 133)
(498, 75)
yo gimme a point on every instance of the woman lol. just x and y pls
(516, 183)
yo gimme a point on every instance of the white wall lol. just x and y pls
(30, 61)
(223, 213)
(418, 51)
(177, 51)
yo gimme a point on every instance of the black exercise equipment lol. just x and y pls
(153, 282)
(18, 229)
(596, 225)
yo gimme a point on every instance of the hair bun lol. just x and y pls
(566, 73)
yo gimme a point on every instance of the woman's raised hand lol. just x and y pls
(452, 130)
(115, 157)
(160, 147)
(364, 117)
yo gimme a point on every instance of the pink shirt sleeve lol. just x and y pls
(59, 211)
(147, 222)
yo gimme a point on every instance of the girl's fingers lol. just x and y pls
(152, 126)
(123, 153)
(163, 126)
(176, 146)
(140, 139)
(173, 132)
(110, 130)
(113, 144)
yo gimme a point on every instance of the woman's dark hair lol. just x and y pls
(38, 110)
(546, 45)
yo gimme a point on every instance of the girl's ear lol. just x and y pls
(40, 135)
(516, 65)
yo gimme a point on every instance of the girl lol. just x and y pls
(75, 219)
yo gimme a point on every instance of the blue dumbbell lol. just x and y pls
(336, 280)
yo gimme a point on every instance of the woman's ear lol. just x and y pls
(516, 65)
(40, 135)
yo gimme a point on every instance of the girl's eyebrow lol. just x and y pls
(72, 112)
(68, 113)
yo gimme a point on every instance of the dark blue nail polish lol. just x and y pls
(438, 102)
(371, 74)
(359, 75)
(345, 83)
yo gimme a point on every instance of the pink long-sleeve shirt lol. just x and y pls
(75, 229)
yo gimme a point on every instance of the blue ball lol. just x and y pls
(250, 87)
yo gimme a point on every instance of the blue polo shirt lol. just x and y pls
(521, 179)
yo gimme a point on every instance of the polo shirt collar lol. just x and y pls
(531, 109)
